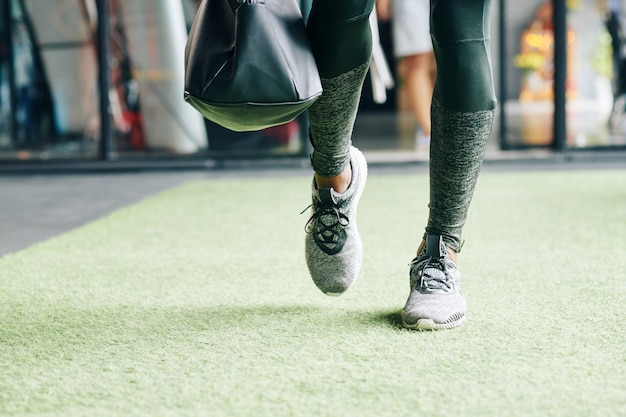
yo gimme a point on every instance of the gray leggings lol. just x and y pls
(340, 35)
(461, 112)
(341, 39)
(460, 34)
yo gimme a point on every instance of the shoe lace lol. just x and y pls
(432, 282)
(327, 225)
(315, 224)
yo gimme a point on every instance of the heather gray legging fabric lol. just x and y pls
(463, 99)
(341, 39)
(461, 112)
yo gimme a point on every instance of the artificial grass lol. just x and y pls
(197, 302)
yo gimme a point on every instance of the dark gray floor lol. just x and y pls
(35, 207)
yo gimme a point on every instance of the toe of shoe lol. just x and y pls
(434, 311)
(332, 280)
(332, 274)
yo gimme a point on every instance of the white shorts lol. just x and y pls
(410, 27)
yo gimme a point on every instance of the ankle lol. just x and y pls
(339, 183)
(451, 252)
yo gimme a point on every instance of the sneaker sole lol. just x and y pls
(337, 294)
(361, 187)
(428, 324)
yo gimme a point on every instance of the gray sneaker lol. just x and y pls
(436, 301)
(333, 246)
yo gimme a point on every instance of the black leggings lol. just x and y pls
(341, 40)
(463, 99)
(340, 34)
(461, 112)
(460, 34)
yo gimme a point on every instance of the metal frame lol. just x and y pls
(560, 74)
(104, 81)
(502, 74)
(7, 7)
(559, 133)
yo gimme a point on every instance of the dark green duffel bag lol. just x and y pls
(249, 64)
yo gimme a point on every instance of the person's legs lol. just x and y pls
(462, 115)
(341, 40)
(340, 36)
(410, 24)
(419, 87)
(462, 112)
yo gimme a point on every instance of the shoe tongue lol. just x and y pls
(433, 246)
(326, 196)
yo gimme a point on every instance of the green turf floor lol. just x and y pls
(197, 302)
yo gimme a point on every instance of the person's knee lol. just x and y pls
(340, 35)
(460, 32)
(459, 20)
(419, 62)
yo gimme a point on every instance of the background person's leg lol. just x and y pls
(462, 112)
(412, 45)
(419, 86)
